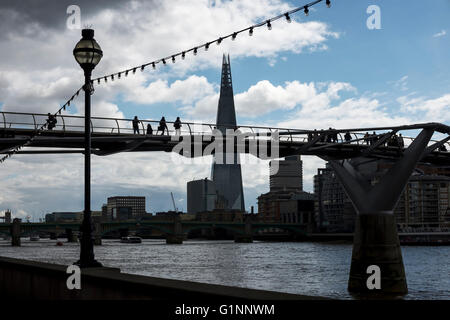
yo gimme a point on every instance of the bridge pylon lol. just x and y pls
(177, 236)
(247, 236)
(376, 239)
(15, 232)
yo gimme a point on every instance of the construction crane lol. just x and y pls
(173, 201)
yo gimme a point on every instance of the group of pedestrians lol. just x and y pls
(370, 139)
(162, 127)
(331, 137)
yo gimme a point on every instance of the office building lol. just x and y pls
(125, 207)
(201, 196)
(226, 170)
(287, 174)
(423, 205)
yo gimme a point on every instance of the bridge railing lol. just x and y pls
(121, 126)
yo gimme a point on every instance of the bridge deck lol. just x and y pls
(112, 135)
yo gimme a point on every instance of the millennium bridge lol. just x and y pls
(350, 152)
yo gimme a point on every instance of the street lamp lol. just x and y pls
(88, 54)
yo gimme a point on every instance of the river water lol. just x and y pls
(318, 269)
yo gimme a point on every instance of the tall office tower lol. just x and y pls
(226, 170)
(287, 174)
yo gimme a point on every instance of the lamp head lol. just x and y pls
(87, 52)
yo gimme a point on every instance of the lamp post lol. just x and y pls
(88, 54)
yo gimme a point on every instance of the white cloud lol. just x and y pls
(263, 98)
(191, 89)
(427, 110)
(440, 34)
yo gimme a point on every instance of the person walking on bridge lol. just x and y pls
(177, 126)
(348, 136)
(51, 121)
(136, 125)
(163, 126)
(149, 129)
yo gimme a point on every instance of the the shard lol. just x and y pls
(226, 174)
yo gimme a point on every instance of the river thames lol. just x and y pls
(316, 269)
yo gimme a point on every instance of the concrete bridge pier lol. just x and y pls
(15, 233)
(71, 236)
(177, 236)
(247, 237)
(375, 240)
(97, 234)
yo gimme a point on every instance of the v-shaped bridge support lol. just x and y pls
(376, 240)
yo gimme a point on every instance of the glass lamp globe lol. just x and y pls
(87, 52)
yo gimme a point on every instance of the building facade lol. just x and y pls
(201, 196)
(287, 174)
(125, 207)
(423, 204)
(286, 202)
(226, 169)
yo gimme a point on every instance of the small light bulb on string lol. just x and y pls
(126, 73)
(164, 61)
(183, 55)
(118, 75)
(328, 3)
(233, 37)
(173, 59)
(142, 68)
(306, 11)
(207, 46)
(98, 81)
(269, 25)
(112, 77)
(134, 70)
(219, 41)
(250, 31)
(288, 18)
(153, 65)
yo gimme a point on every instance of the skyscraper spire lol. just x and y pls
(227, 176)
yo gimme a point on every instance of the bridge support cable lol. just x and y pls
(376, 239)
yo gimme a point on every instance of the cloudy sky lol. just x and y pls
(325, 70)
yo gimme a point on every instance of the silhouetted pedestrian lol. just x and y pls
(136, 125)
(393, 141)
(348, 136)
(367, 138)
(177, 126)
(373, 138)
(322, 136)
(163, 126)
(335, 137)
(329, 135)
(51, 121)
(149, 129)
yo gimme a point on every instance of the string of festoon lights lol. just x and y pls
(39, 129)
(206, 45)
(194, 50)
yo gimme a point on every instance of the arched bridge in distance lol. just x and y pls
(175, 230)
(350, 152)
